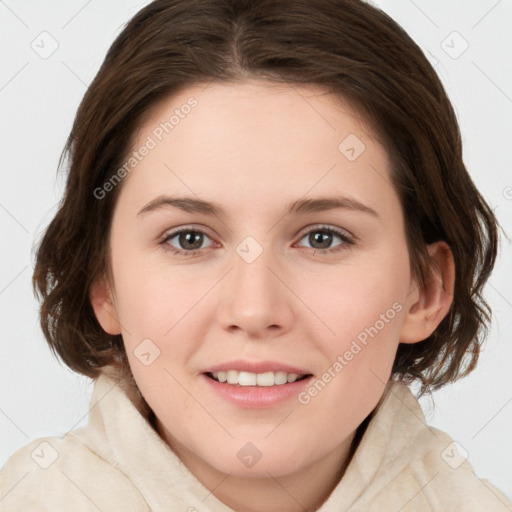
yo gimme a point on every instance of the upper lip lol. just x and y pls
(256, 367)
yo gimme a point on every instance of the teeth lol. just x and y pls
(280, 378)
(265, 379)
(255, 379)
(232, 376)
(292, 377)
(247, 379)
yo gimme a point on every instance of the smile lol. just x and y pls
(266, 379)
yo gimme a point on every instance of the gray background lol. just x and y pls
(51, 50)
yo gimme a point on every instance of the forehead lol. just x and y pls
(305, 110)
(258, 140)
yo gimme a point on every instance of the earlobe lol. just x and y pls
(432, 303)
(101, 297)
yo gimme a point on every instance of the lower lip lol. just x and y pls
(257, 397)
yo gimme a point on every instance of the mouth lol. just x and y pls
(265, 379)
(251, 384)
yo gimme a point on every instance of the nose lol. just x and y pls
(255, 297)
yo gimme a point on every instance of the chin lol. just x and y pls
(258, 459)
(277, 467)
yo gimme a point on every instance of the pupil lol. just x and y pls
(186, 240)
(317, 237)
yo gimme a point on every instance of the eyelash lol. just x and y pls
(347, 241)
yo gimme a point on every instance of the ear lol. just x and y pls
(431, 304)
(101, 297)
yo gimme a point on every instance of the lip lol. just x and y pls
(256, 367)
(256, 397)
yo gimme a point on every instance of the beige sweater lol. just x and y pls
(119, 463)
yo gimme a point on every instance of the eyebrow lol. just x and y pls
(301, 206)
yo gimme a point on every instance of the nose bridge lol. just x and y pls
(252, 275)
(255, 299)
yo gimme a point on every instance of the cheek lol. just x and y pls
(364, 295)
(159, 310)
(365, 308)
(151, 297)
(365, 311)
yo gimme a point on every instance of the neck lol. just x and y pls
(303, 490)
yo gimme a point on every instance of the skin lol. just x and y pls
(253, 147)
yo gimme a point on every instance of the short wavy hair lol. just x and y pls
(349, 48)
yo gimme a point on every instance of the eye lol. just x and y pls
(321, 237)
(190, 241)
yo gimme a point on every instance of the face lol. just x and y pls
(273, 282)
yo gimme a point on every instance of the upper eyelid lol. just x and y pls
(168, 234)
(171, 233)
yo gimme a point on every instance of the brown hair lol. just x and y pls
(346, 46)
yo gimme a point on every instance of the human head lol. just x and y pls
(348, 48)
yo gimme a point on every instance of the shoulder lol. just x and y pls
(430, 487)
(454, 483)
(64, 474)
(419, 467)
